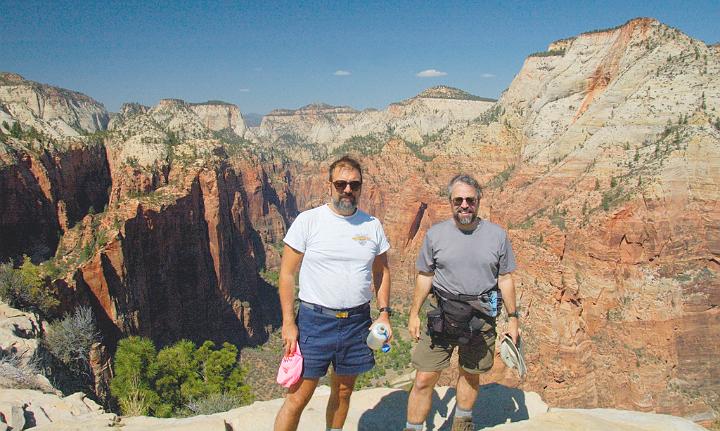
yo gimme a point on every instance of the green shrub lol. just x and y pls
(550, 53)
(135, 370)
(178, 379)
(27, 288)
(366, 145)
(500, 179)
(167, 383)
(491, 115)
(417, 151)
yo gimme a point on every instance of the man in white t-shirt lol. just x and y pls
(342, 250)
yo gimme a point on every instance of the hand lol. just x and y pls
(382, 318)
(513, 330)
(289, 335)
(414, 326)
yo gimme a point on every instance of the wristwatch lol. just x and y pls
(388, 310)
(513, 314)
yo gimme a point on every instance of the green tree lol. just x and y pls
(16, 130)
(135, 372)
(170, 382)
(177, 381)
(220, 369)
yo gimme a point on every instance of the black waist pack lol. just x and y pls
(453, 319)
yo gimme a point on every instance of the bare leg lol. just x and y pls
(467, 389)
(420, 399)
(297, 398)
(341, 388)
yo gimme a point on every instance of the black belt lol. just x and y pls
(340, 313)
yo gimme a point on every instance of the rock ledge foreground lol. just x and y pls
(378, 409)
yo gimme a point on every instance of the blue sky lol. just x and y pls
(264, 55)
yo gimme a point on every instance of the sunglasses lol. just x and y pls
(340, 185)
(459, 200)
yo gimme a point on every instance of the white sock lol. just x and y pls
(410, 426)
(460, 413)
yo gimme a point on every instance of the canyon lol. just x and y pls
(601, 159)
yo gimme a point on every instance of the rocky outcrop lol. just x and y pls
(27, 409)
(19, 342)
(331, 126)
(219, 116)
(51, 110)
(378, 409)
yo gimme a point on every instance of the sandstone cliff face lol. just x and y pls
(180, 255)
(44, 193)
(54, 111)
(218, 116)
(612, 208)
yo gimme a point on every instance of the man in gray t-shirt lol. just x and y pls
(466, 262)
(460, 256)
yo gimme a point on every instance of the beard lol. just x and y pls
(345, 204)
(464, 218)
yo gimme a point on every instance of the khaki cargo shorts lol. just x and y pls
(475, 357)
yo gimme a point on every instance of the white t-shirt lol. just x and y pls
(339, 251)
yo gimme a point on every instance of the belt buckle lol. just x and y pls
(341, 314)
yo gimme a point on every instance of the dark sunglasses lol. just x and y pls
(340, 185)
(459, 200)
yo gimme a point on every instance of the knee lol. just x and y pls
(296, 402)
(472, 380)
(424, 382)
(343, 393)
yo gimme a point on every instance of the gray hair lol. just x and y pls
(465, 179)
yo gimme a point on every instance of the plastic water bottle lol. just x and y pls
(377, 338)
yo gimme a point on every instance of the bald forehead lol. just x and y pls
(463, 190)
(347, 173)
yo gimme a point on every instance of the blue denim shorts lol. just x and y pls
(326, 340)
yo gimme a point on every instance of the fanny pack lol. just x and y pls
(460, 317)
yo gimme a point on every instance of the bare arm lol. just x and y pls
(291, 259)
(507, 288)
(381, 276)
(423, 284)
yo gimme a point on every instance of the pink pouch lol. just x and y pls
(291, 368)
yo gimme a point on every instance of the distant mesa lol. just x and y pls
(313, 109)
(438, 92)
(445, 92)
(213, 102)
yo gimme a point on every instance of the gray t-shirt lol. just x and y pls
(466, 262)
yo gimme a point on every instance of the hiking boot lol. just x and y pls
(463, 424)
